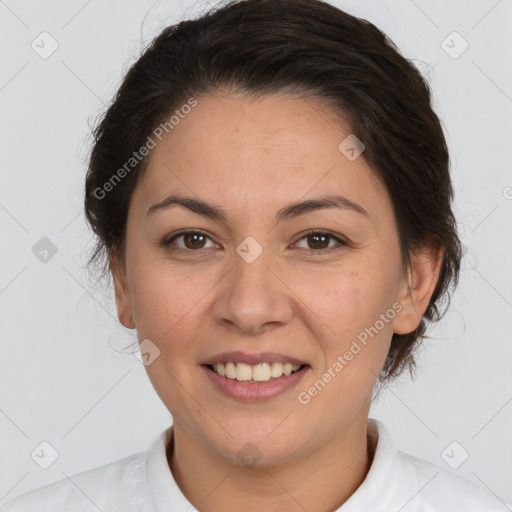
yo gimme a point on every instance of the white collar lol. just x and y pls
(378, 490)
(162, 487)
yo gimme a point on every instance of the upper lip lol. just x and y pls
(253, 359)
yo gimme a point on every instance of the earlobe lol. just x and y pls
(417, 289)
(122, 293)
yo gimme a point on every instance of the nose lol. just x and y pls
(254, 296)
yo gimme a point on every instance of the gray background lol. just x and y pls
(64, 377)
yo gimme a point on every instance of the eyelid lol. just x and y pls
(342, 242)
(168, 240)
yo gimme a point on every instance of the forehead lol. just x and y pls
(265, 152)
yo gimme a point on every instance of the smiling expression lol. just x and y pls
(256, 277)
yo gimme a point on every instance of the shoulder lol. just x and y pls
(440, 489)
(118, 485)
(400, 481)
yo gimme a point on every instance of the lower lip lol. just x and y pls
(254, 391)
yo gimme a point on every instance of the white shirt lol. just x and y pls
(143, 482)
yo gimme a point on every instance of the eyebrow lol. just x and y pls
(288, 212)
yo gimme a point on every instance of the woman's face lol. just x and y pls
(253, 282)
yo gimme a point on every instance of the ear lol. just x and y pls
(123, 297)
(417, 289)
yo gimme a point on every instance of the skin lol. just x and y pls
(251, 158)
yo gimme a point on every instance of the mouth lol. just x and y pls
(254, 383)
(254, 377)
(261, 372)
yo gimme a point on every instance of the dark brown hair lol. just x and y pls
(304, 47)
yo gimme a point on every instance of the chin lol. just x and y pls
(254, 447)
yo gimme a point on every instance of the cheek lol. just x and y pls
(167, 304)
(345, 300)
(349, 305)
(166, 301)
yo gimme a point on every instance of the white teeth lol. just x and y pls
(230, 370)
(221, 369)
(277, 370)
(243, 371)
(262, 372)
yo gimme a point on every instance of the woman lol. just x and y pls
(270, 190)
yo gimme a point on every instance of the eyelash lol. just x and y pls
(167, 242)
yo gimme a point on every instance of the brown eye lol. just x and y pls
(318, 241)
(194, 240)
(191, 240)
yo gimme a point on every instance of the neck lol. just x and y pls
(317, 481)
